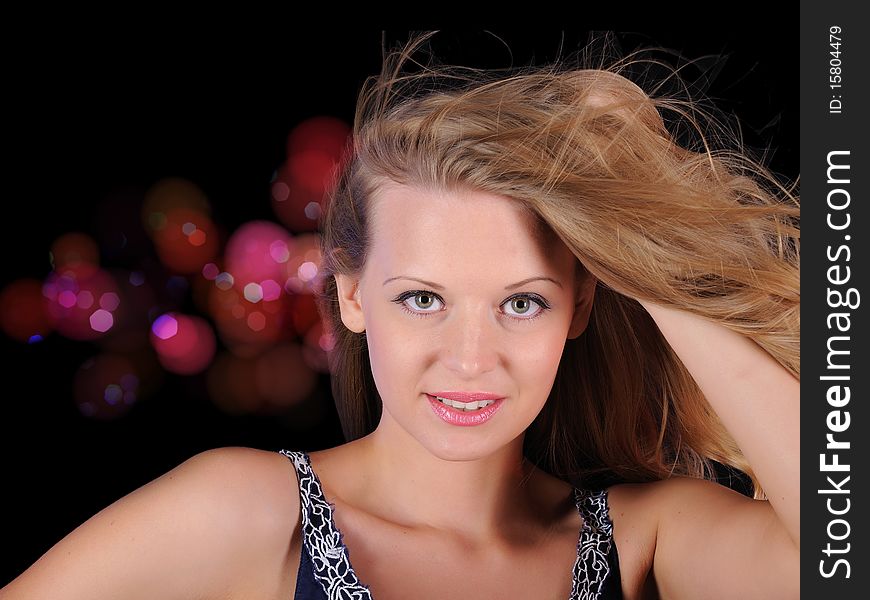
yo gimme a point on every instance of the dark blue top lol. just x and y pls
(325, 572)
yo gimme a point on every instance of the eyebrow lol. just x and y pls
(441, 288)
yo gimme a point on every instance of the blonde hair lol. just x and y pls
(705, 229)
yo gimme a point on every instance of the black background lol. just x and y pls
(87, 115)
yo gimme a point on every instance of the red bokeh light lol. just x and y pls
(168, 194)
(319, 343)
(186, 241)
(257, 251)
(73, 250)
(248, 327)
(23, 313)
(302, 270)
(304, 312)
(282, 376)
(184, 344)
(315, 152)
(69, 296)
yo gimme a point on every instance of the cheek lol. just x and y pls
(539, 358)
(396, 358)
(535, 364)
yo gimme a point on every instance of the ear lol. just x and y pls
(349, 302)
(583, 304)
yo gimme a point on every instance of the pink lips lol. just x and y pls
(468, 396)
(455, 416)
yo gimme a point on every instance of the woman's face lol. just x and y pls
(482, 319)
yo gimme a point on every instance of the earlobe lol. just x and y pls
(349, 302)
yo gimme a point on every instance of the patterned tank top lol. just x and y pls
(325, 571)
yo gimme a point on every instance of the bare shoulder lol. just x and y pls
(264, 507)
(678, 499)
(639, 509)
(218, 525)
(653, 499)
(695, 533)
(636, 510)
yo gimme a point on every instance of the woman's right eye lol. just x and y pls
(421, 304)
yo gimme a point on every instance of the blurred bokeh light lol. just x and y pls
(71, 295)
(315, 151)
(185, 344)
(257, 251)
(185, 240)
(172, 193)
(23, 315)
(106, 387)
(72, 250)
(236, 307)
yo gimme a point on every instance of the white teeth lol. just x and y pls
(466, 406)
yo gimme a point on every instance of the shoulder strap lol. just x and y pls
(321, 537)
(595, 510)
(591, 569)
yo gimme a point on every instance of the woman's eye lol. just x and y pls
(423, 301)
(523, 306)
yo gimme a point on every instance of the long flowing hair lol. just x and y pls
(698, 225)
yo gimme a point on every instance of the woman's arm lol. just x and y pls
(758, 401)
(216, 526)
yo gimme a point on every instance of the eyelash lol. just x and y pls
(400, 300)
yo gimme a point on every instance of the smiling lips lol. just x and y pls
(467, 396)
(465, 408)
(467, 400)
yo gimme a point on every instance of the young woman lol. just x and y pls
(550, 319)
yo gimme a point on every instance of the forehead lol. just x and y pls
(480, 230)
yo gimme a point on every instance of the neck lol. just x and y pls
(474, 497)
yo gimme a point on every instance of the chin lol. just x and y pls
(455, 449)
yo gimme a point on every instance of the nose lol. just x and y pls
(471, 342)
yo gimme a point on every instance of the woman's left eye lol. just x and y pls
(522, 305)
